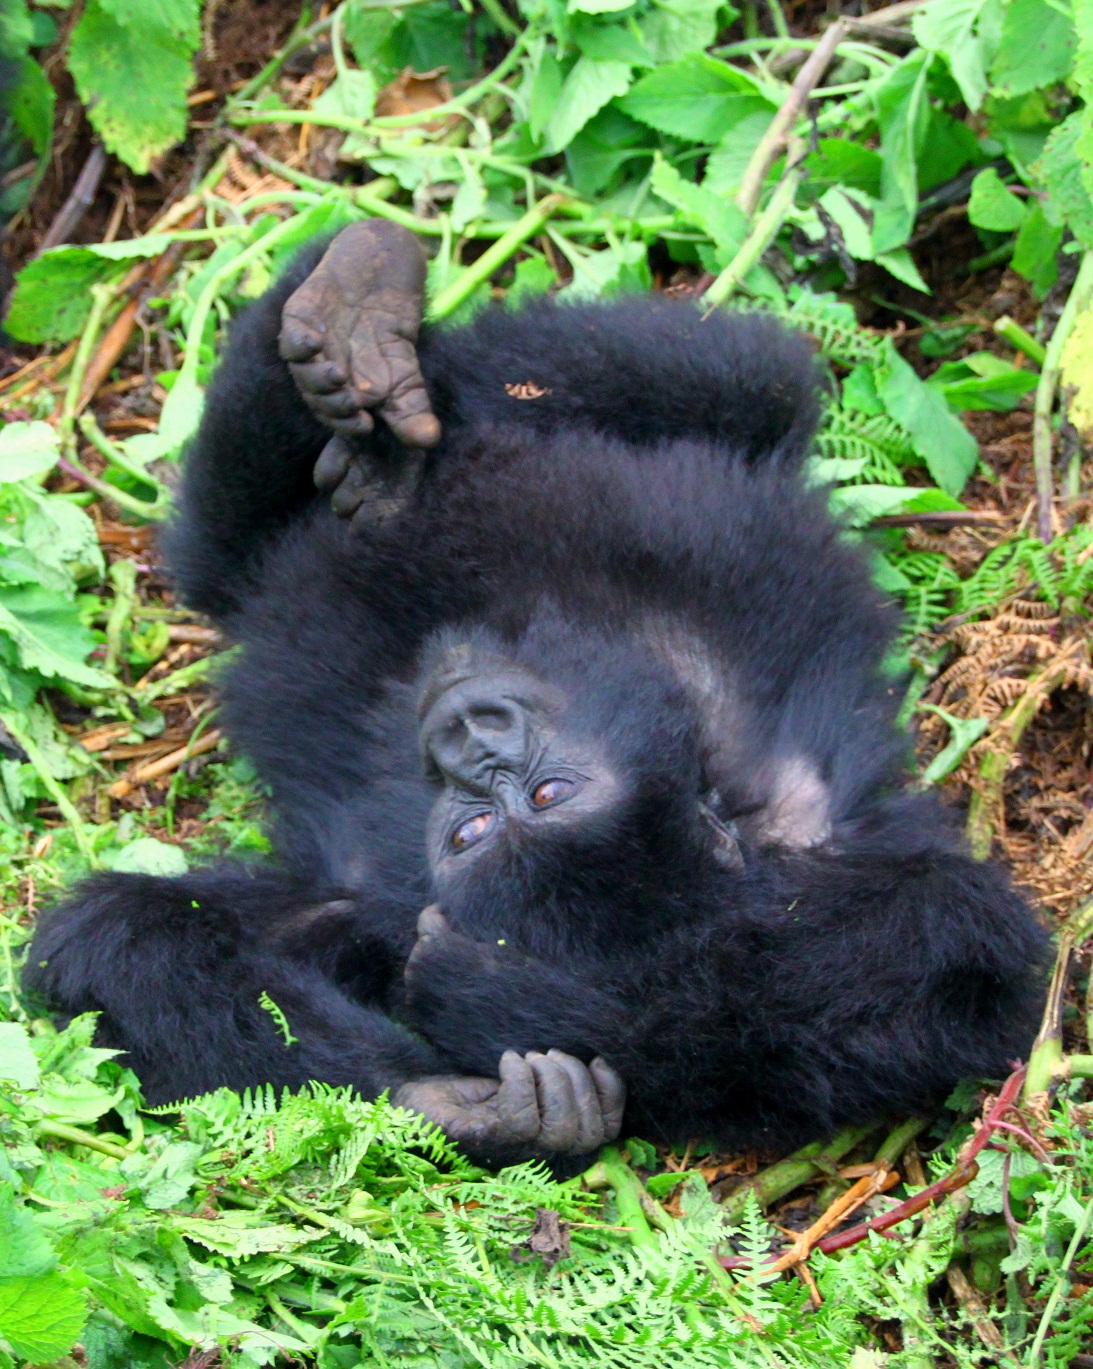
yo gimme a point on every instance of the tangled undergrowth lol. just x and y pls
(911, 187)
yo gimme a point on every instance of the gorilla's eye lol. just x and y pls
(474, 829)
(551, 792)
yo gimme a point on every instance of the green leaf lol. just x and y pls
(1035, 253)
(147, 856)
(1037, 47)
(717, 217)
(585, 91)
(994, 207)
(180, 18)
(903, 112)
(241, 1234)
(673, 28)
(697, 98)
(726, 164)
(351, 96)
(16, 29)
(839, 161)
(613, 271)
(430, 36)
(51, 299)
(19, 1064)
(607, 142)
(30, 100)
(940, 440)
(49, 635)
(533, 276)
(27, 449)
(598, 6)
(857, 505)
(543, 88)
(950, 27)
(133, 78)
(25, 1251)
(982, 381)
(368, 31)
(901, 264)
(853, 215)
(1060, 171)
(40, 1317)
(170, 1177)
(609, 42)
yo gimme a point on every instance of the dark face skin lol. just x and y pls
(497, 742)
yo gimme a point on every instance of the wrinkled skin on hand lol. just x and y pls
(550, 1103)
(348, 335)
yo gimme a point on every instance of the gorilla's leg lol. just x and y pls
(178, 967)
(180, 970)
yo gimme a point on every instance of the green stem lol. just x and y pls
(1011, 331)
(124, 575)
(300, 36)
(64, 1132)
(152, 513)
(503, 21)
(1077, 302)
(54, 789)
(897, 1141)
(778, 18)
(308, 1334)
(628, 1190)
(102, 296)
(759, 239)
(819, 1157)
(450, 298)
(1062, 1287)
(117, 457)
(1079, 1066)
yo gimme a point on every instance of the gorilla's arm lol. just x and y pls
(848, 989)
(183, 972)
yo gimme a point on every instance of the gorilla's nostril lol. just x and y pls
(490, 718)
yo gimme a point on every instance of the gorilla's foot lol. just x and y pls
(370, 487)
(348, 334)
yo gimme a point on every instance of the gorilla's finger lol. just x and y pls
(406, 410)
(431, 921)
(559, 1128)
(333, 464)
(612, 1092)
(360, 425)
(585, 1095)
(340, 404)
(518, 1098)
(474, 1089)
(346, 499)
(299, 341)
(319, 377)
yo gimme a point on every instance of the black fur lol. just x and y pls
(641, 537)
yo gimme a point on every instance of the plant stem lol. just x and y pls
(152, 513)
(117, 457)
(124, 575)
(493, 257)
(64, 1132)
(819, 1157)
(102, 296)
(898, 1140)
(1011, 331)
(1062, 1286)
(1046, 1062)
(1079, 1066)
(1077, 302)
(628, 1191)
(54, 789)
(761, 236)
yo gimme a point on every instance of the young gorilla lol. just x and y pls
(596, 677)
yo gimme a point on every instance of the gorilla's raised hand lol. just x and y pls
(348, 334)
(546, 1104)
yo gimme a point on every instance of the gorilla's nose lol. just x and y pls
(472, 731)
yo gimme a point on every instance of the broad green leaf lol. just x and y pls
(352, 96)
(950, 27)
(178, 421)
(946, 448)
(697, 98)
(948, 146)
(903, 112)
(1037, 46)
(147, 856)
(16, 29)
(49, 636)
(1035, 253)
(25, 1251)
(19, 1064)
(857, 505)
(181, 18)
(169, 1179)
(27, 449)
(982, 381)
(542, 86)
(368, 31)
(30, 99)
(673, 28)
(51, 299)
(609, 42)
(994, 207)
(613, 271)
(598, 6)
(901, 264)
(727, 163)
(533, 276)
(430, 36)
(717, 217)
(853, 215)
(79, 1103)
(609, 141)
(840, 161)
(133, 79)
(470, 199)
(240, 1234)
(1060, 171)
(40, 1317)
(64, 543)
(584, 92)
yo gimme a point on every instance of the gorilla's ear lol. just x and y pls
(726, 844)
